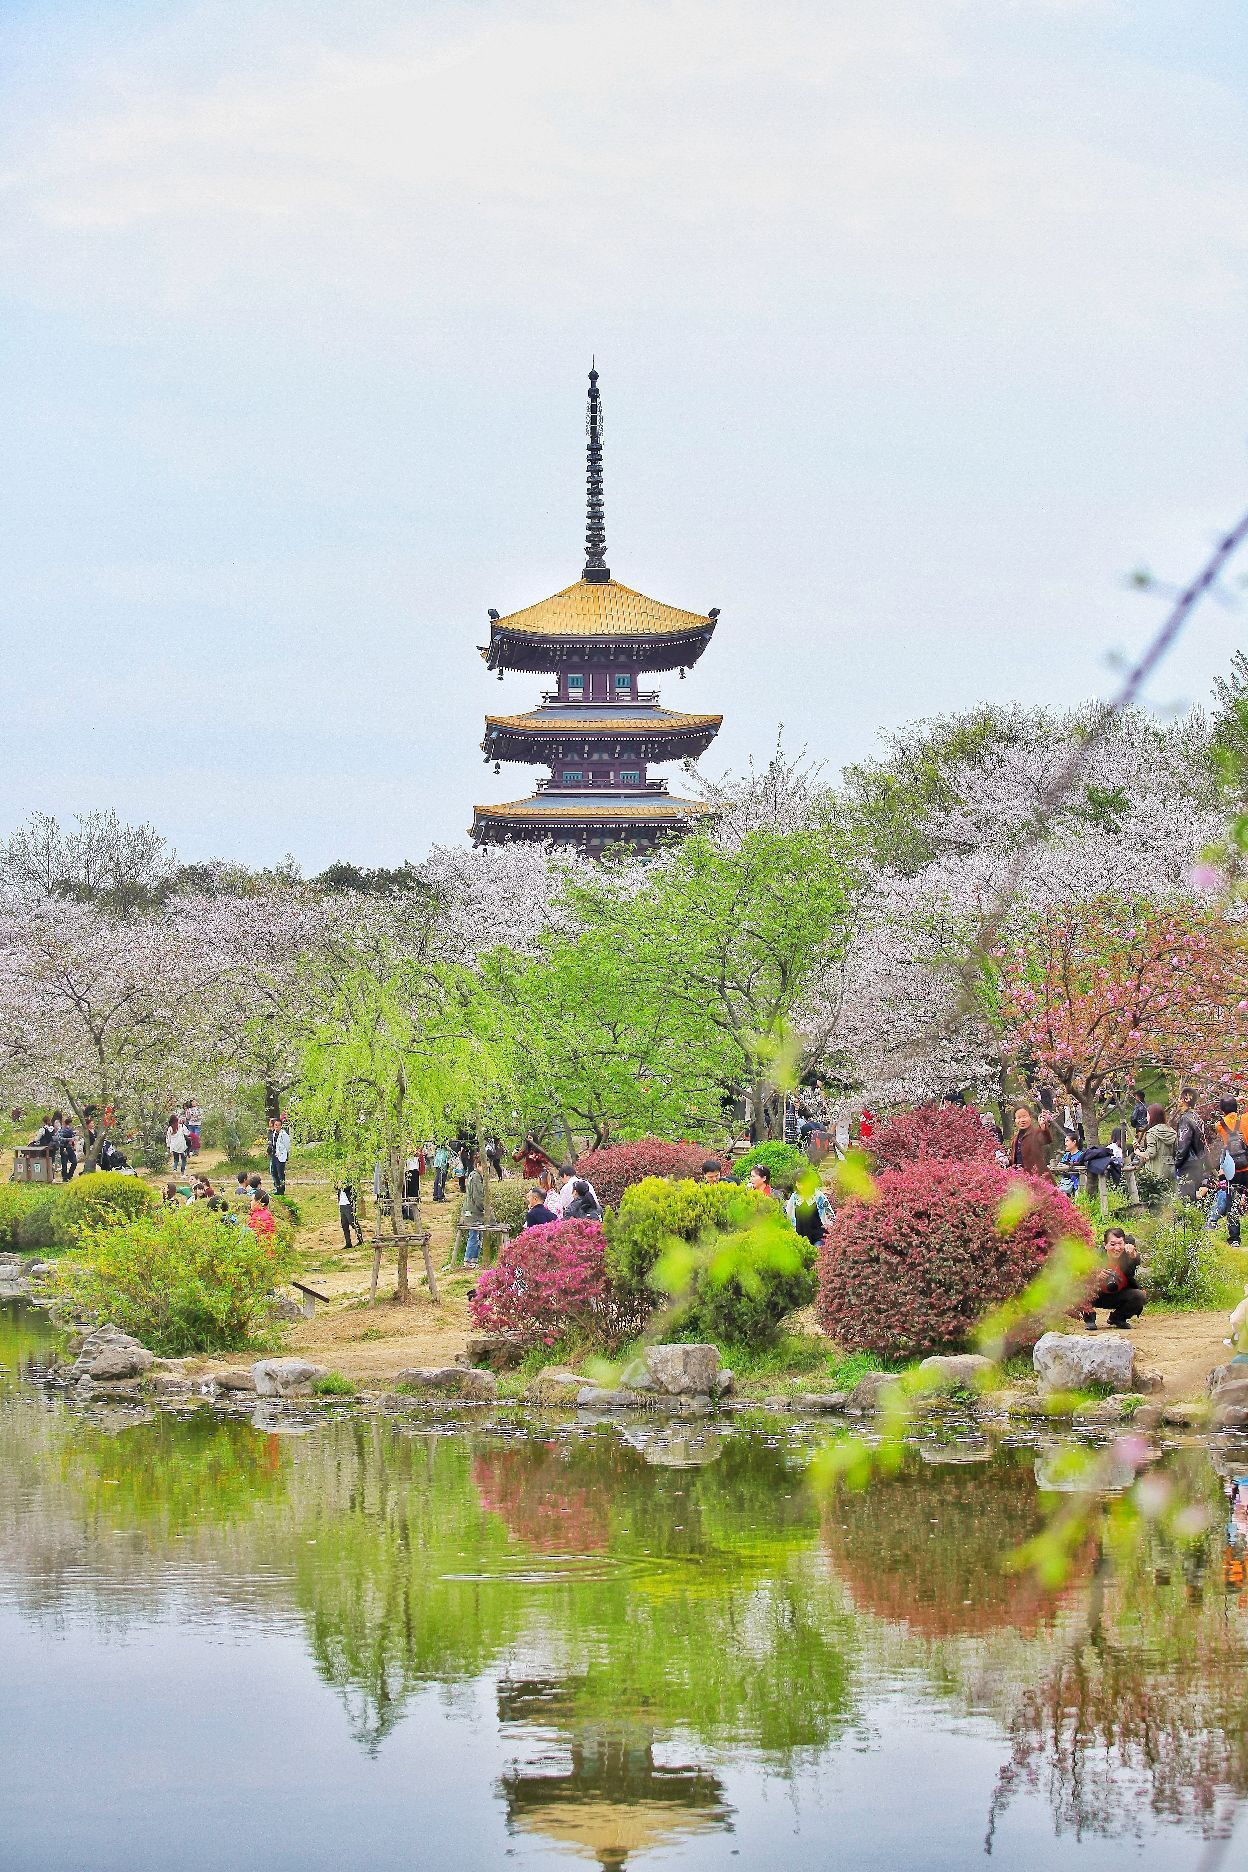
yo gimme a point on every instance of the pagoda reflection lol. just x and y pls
(595, 1787)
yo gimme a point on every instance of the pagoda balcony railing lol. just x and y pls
(642, 696)
(588, 786)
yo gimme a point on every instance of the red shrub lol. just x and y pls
(953, 1133)
(552, 1281)
(619, 1166)
(914, 1271)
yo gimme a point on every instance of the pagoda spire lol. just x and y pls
(597, 571)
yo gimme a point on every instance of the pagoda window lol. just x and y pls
(630, 776)
(572, 776)
(576, 688)
(623, 685)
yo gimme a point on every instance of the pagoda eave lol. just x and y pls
(509, 744)
(516, 650)
(618, 820)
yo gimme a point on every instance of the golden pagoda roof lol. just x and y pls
(605, 722)
(606, 609)
(552, 806)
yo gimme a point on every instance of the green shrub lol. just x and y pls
(30, 1215)
(784, 1161)
(509, 1202)
(1182, 1258)
(180, 1280)
(88, 1201)
(724, 1258)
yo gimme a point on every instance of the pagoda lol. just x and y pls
(598, 730)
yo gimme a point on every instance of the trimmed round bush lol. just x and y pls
(551, 1283)
(509, 1201)
(916, 1270)
(952, 1133)
(724, 1258)
(91, 1200)
(784, 1163)
(619, 1166)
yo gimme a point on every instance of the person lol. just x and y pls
(460, 1166)
(530, 1154)
(538, 1214)
(1191, 1158)
(476, 1210)
(67, 1145)
(1157, 1154)
(1139, 1111)
(494, 1157)
(760, 1179)
(1068, 1166)
(346, 1215)
(562, 1198)
(111, 1158)
(866, 1126)
(441, 1164)
(1030, 1151)
(1118, 1290)
(1232, 1152)
(45, 1136)
(1239, 1326)
(809, 1209)
(712, 1171)
(582, 1204)
(255, 1186)
(261, 1220)
(193, 1119)
(411, 1182)
(176, 1143)
(279, 1153)
(173, 1196)
(242, 1193)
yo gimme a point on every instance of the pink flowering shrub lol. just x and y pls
(917, 1269)
(551, 1283)
(952, 1133)
(619, 1166)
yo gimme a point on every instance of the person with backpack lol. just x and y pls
(441, 1165)
(1157, 1153)
(1232, 1148)
(1191, 1156)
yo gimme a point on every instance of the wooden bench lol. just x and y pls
(485, 1230)
(309, 1298)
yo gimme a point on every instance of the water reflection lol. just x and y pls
(652, 1623)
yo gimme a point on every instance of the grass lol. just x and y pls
(333, 1384)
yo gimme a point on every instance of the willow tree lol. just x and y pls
(391, 1051)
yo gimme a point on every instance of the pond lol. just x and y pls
(382, 1644)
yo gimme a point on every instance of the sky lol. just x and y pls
(920, 323)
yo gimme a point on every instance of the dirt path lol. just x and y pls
(1183, 1347)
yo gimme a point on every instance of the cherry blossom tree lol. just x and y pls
(1096, 990)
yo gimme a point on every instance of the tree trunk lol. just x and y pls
(272, 1099)
(1091, 1120)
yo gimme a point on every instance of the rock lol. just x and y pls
(499, 1351)
(10, 1266)
(1148, 1418)
(1148, 1378)
(683, 1370)
(594, 1397)
(114, 1362)
(164, 1385)
(700, 1405)
(820, 1403)
(724, 1383)
(1233, 1391)
(865, 1397)
(1232, 1372)
(464, 1382)
(1065, 1362)
(1110, 1410)
(39, 1270)
(959, 1371)
(637, 1376)
(554, 1386)
(282, 1307)
(1185, 1414)
(285, 1377)
(236, 1379)
(1229, 1416)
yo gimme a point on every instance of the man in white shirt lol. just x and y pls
(559, 1199)
(279, 1156)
